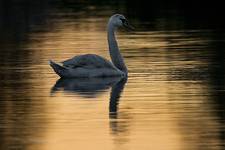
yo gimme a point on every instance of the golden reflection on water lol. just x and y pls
(159, 107)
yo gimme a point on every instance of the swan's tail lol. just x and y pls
(60, 70)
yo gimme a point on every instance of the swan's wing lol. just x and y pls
(88, 61)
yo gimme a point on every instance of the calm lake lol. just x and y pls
(173, 98)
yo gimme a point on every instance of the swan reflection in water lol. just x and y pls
(91, 87)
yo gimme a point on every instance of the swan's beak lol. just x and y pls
(127, 25)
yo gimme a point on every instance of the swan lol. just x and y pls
(91, 65)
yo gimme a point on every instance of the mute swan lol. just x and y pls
(91, 65)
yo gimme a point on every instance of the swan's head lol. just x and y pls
(119, 20)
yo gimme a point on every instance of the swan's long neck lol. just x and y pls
(114, 51)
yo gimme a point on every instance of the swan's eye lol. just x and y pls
(123, 20)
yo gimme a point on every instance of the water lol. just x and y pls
(173, 98)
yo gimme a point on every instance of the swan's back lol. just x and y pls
(88, 65)
(88, 61)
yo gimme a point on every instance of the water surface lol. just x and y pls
(173, 98)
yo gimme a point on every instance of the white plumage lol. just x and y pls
(91, 65)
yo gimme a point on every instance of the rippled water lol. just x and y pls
(173, 98)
